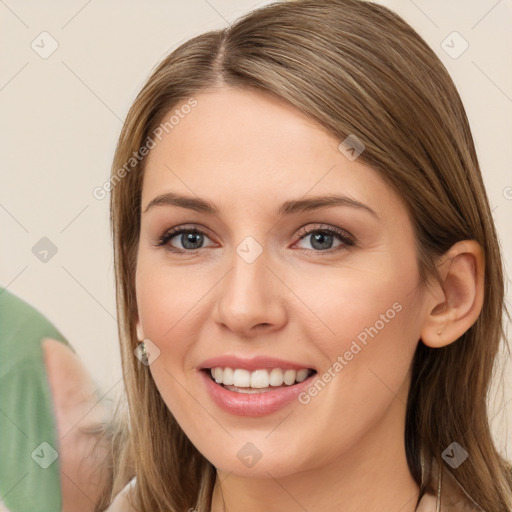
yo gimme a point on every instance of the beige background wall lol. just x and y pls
(61, 115)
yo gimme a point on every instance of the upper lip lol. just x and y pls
(251, 364)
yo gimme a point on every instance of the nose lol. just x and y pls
(252, 299)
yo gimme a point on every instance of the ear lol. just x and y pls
(140, 332)
(455, 302)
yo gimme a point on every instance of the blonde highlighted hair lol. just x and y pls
(356, 68)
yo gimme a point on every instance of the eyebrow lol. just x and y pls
(287, 208)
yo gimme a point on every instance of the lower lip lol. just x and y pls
(254, 404)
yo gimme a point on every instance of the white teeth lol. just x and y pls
(289, 377)
(241, 378)
(258, 379)
(217, 375)
(276, 377)
(227, 377)
(302, 375)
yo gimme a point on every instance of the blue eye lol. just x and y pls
(322, 239)
(192, 239)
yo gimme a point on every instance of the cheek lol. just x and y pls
(367, 330)
(367, 361)
(361, 303)
(167, 302)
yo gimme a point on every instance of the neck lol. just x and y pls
(372, 475)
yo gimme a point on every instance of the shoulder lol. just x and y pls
(123, 501)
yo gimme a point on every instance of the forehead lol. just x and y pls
(247, 149)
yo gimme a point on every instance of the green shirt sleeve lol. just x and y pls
(29, 464)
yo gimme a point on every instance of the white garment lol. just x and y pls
(427, 504)
(121, 502)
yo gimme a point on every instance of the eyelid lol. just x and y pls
(163, 240)
(307, 229)
(346, 238)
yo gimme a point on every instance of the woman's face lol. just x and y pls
(254, 282)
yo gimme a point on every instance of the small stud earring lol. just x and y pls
(144, 354)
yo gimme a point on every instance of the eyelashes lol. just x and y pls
(346, 239)
(323, 233)
(169, 235)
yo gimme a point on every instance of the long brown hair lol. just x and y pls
(356, 68)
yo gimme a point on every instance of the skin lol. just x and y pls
(76, 406)
(247, 153)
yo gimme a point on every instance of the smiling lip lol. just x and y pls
(254, 404)
(257, 404)
(255, 363)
